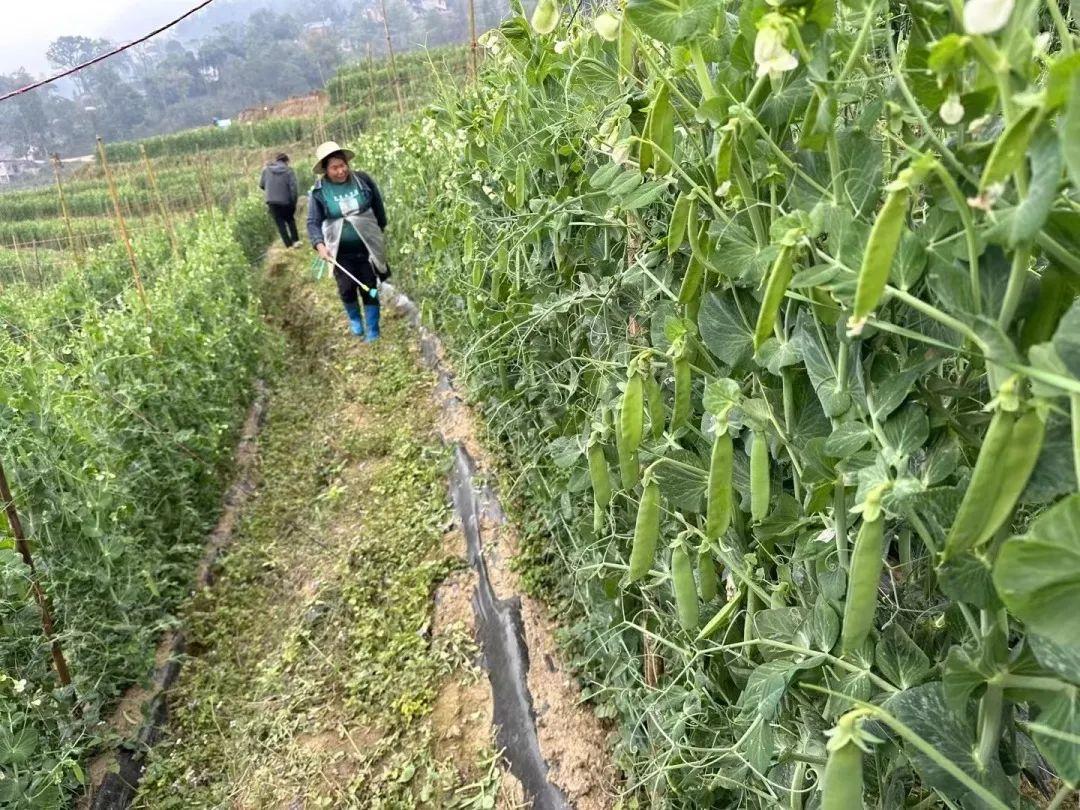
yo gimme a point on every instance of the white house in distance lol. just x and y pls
(15, 170)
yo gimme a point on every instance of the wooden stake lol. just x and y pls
(18, 258)
(40, 596)
(393, 64)
(72, 244)
(160, 201)
(122, 225)
(472, 40)
(370, 82)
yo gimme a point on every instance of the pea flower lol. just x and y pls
(562, 46)
(986, 16)
(770, 52)
(952, 111)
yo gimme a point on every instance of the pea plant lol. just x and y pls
(772, 306)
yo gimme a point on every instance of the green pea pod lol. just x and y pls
(677, 225)
(707, 577)
(646, 531)
(982, 490)
(598, 472)
(662, 131)
(864, 574)
(680, 411)
(697, 235)
(718, 503)
(723, 616)
(1011, 148)
(631, 417)
(682, 580)
(1017, 463)
(775, 287)
(691, 281)
(842, 784)
(759, 477)
(723, 152)
(654, 397)
(880, 252)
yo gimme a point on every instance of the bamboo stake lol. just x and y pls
(393, 64)
(18, 258)
(40, 596)
(72, 244)
(123, 227)
(472, 41)
(370, 83)
(156, 191)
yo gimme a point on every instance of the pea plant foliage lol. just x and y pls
(774, 304)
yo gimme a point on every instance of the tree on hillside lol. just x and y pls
(69, 51)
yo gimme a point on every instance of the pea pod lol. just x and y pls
(680, 411)
(646, 531)
(842, 783)
(631, 418)
(759, 477)
(682, 580)
(662, 131)
(775, 287)
(654, 397)
(864, 574)
(677, 225)
(725, 140)
(723, 616)
(718, 496)
(1005, 463)
(598, 473)
(707, 578)
(880, 252)
(691, 281)
(982, 489)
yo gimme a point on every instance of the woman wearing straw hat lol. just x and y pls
(345, 223)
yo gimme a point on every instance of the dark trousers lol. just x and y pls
(356, 262)
(285, 219)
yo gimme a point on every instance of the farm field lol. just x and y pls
(764, 316)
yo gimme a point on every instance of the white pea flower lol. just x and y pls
(562, 46)
(1042, 43)
(19, 686)
(986, 16)
(477, 177)
(952, 111)
(723, 189)
(985, 201)
(770, 52)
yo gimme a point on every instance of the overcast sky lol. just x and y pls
(29, 27)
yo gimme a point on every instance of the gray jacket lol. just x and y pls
(279, 183)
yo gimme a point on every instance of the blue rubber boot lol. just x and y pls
(371, 319)
(356, 323)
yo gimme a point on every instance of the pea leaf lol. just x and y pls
(1059, 659)
(765, 688)
(821, 627)
(1037, 575)
(723, 330)
(923, 710)
(907, 431)
(1046, 161)
(899, 658)
(644, 195)
(1056, 732)
(672, 21)
(1070, 131)
(968, 578)
(848, 438)
(683, 484)
(16, 747)
(888, 394)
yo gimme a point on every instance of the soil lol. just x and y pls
(573, 740)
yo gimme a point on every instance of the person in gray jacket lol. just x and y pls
(279, 182)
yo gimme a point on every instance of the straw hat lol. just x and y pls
(326, 150)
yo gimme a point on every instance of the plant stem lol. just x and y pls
(1021, 260)
(701, 72)
(990, 707)
(860, 42)
(1062, 27)
(1074, 406)
(969, 233)
(1059, 797)
(935, 314)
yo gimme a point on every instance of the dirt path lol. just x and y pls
(333, 662)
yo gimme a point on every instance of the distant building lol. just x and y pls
(15, 170)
